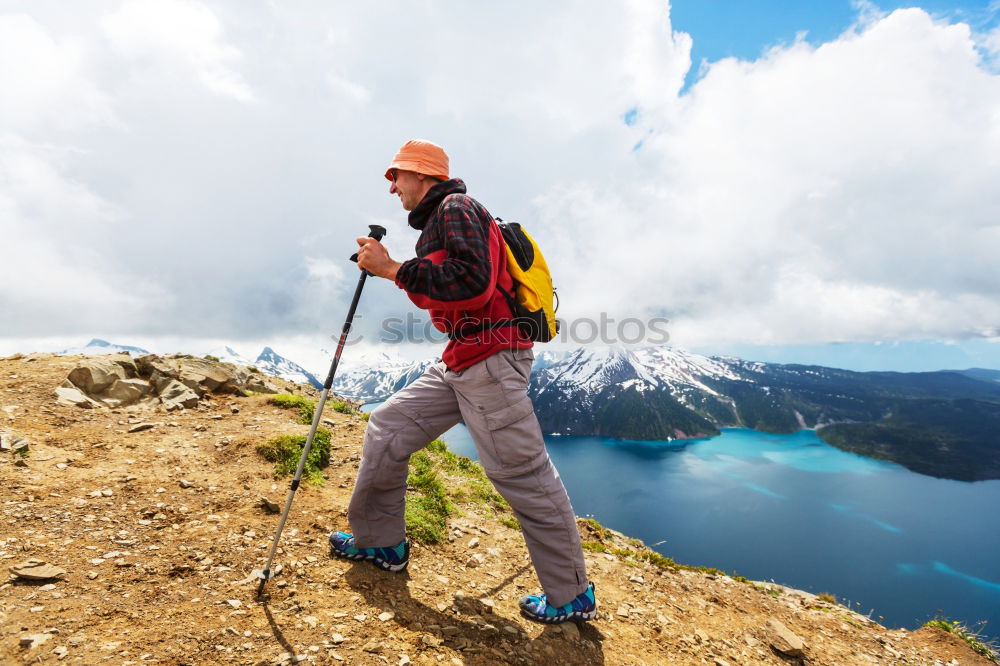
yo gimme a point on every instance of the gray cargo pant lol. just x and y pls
(491, 397)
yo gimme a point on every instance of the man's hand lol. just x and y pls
(373, 257)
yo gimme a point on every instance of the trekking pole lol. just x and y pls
(266, 574)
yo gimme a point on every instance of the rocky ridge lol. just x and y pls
(170, 382)
(134, 546)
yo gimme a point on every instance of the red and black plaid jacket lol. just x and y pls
(460, 259)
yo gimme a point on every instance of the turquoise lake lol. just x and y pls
(794, 510)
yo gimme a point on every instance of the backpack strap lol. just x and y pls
(461, 332)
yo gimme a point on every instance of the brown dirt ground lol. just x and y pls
(158, 573)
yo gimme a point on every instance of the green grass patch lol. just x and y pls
(973, 637)
(305, 406)
(442, 481)
(209, 357)
(341, 406)
(285, 451)
(509, 520)
(428, 508)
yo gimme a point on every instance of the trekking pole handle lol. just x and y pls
(375, 231)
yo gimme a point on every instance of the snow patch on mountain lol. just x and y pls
(374, 376)
(97, 346)
(227, 354)
(273, 363)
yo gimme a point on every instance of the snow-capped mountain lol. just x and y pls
(645, 393)
(661, 393)
(98, 346)
(376, 375)
(227, 354)
(273, 363)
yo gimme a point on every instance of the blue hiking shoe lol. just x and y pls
(536, 608)
(392, 558)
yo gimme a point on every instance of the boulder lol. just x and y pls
(18, 444)
(124, 392)
(95, 376)
(201, 375)
(67, 394)
(28, 641)
(151, 363)
(783, 640)
(127, 364)
(176, 395)
(256, 382)
(37, 570)
(209, 375)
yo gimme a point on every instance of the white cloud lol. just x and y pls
(352, 90)
(844, 191)
(56, 269)
(991, 42)
(182, 32)
(44, 82)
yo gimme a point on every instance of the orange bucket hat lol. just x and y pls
(422, 157)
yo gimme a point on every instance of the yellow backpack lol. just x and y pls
(534, 301)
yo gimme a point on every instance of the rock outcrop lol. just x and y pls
(178, 381)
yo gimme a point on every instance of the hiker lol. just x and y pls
(482, 379)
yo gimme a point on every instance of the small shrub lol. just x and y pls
(768, 590)
(828, 598)
(285, 451)
(973, 637)
(209, 357)
(342, 407)
(600, 531)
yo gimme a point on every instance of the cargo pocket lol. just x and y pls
(517, 439)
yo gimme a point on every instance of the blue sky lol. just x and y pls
(745, 28)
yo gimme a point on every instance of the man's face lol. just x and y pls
(408, 186)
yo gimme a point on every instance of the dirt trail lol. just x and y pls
(159, 531)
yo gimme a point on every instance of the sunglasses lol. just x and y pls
(394, 174)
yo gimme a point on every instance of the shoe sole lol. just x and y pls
(380, 563)
(575, 616)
